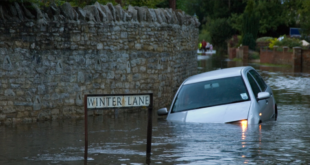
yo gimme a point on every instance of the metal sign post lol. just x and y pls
(110, 101)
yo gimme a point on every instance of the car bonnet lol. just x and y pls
(216, 114)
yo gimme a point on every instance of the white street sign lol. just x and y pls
(117, 101)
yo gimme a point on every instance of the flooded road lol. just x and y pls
(121, 139)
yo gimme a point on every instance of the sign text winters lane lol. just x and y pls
(117, 101)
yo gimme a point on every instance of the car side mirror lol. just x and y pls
(263, 95)
(162, 112)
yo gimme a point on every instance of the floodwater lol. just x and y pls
(121, 138)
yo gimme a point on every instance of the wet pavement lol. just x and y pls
(121, 139)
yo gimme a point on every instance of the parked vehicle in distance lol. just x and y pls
(229, 95)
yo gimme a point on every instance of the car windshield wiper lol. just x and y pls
(193, 108)
(236, 101)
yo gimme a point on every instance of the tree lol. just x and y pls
(119, 2)
(172, 4)
(305, 18)
(272, 15)
(219, 31)
(147, 3)
(250, 25)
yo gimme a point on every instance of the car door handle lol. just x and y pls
(266, 101)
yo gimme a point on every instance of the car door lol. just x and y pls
(260, 105)
(268, 111)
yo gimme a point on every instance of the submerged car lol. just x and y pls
(229, 95)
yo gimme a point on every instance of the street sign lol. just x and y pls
(117, 101)
(112, 101)
(295, 32)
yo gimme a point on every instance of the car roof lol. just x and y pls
(217, 74)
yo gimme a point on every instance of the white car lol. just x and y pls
(232, 95)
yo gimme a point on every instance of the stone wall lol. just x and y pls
(50, 58)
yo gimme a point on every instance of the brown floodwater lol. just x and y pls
(120, 138)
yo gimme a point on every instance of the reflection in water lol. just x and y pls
(122, 139)
(244, 125)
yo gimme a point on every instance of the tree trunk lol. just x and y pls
(172, 4)
(119, 2)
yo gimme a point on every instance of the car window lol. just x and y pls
(254, 85)
(211, 93)
(259, 80)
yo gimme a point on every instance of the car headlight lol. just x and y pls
(242, 122)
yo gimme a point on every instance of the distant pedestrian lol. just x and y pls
(204, 44)
(208, 46)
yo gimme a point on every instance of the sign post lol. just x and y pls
(110, 101)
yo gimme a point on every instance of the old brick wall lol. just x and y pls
(299, 59)
(306, 59)
(266, 56)
(50, 61)
(232, 53)
(276, 57)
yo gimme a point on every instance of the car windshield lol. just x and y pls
(211, 93)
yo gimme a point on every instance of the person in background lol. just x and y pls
(208, 46)
(204, 44)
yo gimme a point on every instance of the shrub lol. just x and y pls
(204, 34)
(249, 40)
(290, 42)
(263, 39)
(219, 31)
(253, 55)
(272, 42)
(286, 41)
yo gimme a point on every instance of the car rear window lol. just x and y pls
(211, 93)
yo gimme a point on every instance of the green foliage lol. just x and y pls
(249, 40)
(236, 21)
(73, 3)
(305, 18)
(254, 55)
(250, 25)
(237, 59)
(204, 34)
(263, 39)
(270, 14)
(82, 3)
(272, 42)
(290, 42)
(182, 5)
(286, 41)
(213, 9)
(219, 31)
(147, 3)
